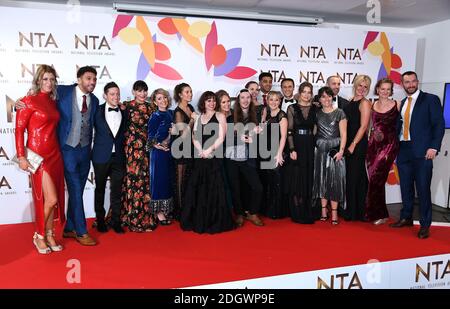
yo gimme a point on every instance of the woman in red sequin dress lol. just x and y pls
(40, 118)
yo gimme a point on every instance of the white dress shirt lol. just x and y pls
(284, 105)
(113, 119)
(405, 105)
(79, 95)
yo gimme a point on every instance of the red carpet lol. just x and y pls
(171, 258)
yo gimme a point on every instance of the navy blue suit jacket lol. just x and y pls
(65, 97)
(104, 139)
(426, 124)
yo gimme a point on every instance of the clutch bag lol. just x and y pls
(33, 158)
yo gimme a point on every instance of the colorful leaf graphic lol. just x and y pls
(396, 77)
(121, 22)
(382, 72)
(199, 29)
(166, 72)
(143, 68)
(166, 26)
(218, 55)
(241, 73)
(233, 58)
(386, 56)
(211, 41)
(183, 28)
(161, 51)
(370, 37)
(131, 36)
(147, 45)
(396, 61)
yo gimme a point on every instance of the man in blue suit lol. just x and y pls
(77, 106)
(420, 129)
(108, 156)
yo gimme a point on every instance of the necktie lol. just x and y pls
(407, 120)
(84, 108)
(264, 99)
(334, 99)
(289, 101)
(110, 109)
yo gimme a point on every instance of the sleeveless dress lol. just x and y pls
(381, 153)
(205, 207)
(356, 185)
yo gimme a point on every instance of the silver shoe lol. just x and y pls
(380, 221)
(41, 251)
(53, 248)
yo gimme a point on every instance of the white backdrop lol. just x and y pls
(123, 50)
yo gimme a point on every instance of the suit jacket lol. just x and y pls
(426, 127)
(65, 97)
(104, 138)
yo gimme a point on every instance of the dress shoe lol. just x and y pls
(380, 221)
(402, 223)
(69, 234)
(239, 220)
(254, 219)
(165, 222)
(101, 226)
(424, 232)
(118, 228)
(86, 240)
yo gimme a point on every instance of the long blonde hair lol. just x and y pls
(37, 78)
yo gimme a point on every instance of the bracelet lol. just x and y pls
(353, 143)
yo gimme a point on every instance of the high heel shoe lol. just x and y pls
(336, 221)
(165, 221)
(53, 248)
(324, 218)
(45, 250)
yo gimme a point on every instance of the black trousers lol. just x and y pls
(115, 170)
(241, 171)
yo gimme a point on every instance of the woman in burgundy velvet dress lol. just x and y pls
(40, 118)
(382, 150)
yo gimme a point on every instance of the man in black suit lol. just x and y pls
(334, 82)
(420, 129)
(108, 156)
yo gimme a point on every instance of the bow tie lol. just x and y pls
(110, 109)
(289, 101)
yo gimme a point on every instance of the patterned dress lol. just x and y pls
(136, 187)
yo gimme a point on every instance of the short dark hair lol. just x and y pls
(203, 98)
(109, 86)
(409, 73)
(326, 90)
(287, 80)
(179, 89)
(140, 85)
(264, 74)
(247, 85)
(81, 71)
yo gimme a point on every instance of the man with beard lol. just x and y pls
(421, 129)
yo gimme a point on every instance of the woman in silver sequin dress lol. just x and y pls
(329, 162)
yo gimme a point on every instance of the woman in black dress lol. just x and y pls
(277, 125)
(205, 209)
(183, 118)
(358, 117)
(299, 174)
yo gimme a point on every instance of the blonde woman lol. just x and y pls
(40, 118)
(358, 117)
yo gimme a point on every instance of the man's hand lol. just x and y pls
(19, 105)
(431, 154)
